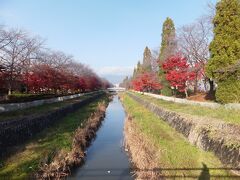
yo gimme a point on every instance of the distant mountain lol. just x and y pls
(114, 79)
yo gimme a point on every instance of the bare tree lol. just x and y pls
(16, 55)
(193, 42)
(6, 37)
(24, 60)
(54, 59)
(211, 11)
(11, 58)
(33, 46)
(80, 69)
(155, 61)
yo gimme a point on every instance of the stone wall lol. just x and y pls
(200, 134)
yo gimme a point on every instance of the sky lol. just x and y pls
(107, 35)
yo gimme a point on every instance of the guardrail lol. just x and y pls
(190, 102)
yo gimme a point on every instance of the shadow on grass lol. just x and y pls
(118, 173)
(205, 175)
(204, 172)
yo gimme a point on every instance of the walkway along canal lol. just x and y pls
(106, 158)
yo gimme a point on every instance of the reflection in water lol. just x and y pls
(106, 158)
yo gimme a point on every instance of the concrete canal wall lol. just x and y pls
(16, 131)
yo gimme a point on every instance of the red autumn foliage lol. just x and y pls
(146, 82)
(28, 66)
(44, 78)
(41, 78)
(34, 82)
(178, 72)
(82, 84)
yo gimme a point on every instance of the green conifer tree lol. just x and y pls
(168, 48)
(225, 51)
(139, 68)
(168, 45)
(147, 60)
(134, 73)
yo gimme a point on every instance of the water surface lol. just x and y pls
(106, 158)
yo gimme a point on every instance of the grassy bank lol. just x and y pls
(40, 109)
(175, 156)
(24, 97)
(65, 161)
(227, 115)
(46, 144)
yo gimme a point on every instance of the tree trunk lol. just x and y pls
(211, 93)
(211, 83)
(205, 84)
(9, 91)
(195, 85)
(186, 93)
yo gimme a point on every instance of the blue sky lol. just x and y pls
(108, 35)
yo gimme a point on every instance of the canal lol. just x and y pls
(106, 158)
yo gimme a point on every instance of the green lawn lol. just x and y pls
(40, 109)
(46, 144)
(174, 150)
(227, 115)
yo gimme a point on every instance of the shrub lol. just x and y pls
(223, 65)
(228, 90)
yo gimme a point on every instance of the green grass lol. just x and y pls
(174, 150)
(45, 144)
(227, 115)
(17, 94)
(17, 97)
(39, 109)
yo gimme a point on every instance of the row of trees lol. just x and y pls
(144, 79)
(26, 65)
(188, 60)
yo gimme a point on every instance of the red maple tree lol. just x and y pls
(178, 72)
(146, 82)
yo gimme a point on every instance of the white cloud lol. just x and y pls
(115, 70)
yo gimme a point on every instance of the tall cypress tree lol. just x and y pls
(147, 60)
(139, 68)
(168, 48)
(134, 73)
(225, 51)
(168, 45)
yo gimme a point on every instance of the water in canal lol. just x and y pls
(106, 158)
